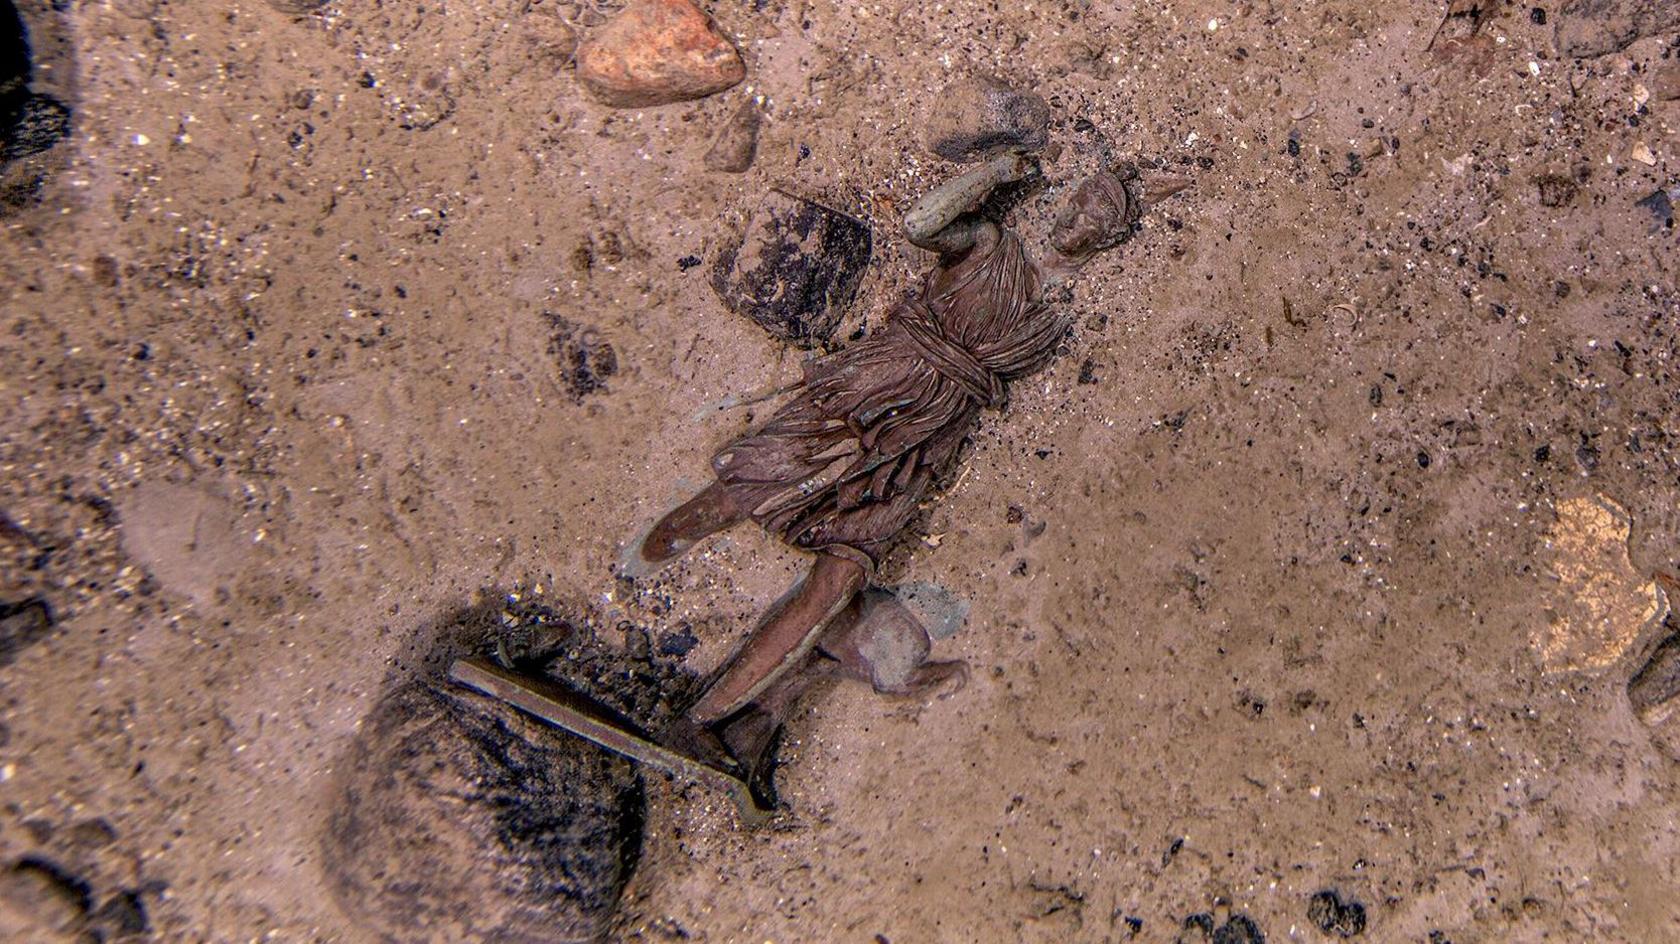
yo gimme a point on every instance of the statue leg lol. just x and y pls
(783, 639)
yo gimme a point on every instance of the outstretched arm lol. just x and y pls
(941, 219)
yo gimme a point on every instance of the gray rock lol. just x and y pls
(1655, 689)
(1660, 204)
(796, 268)
(22, 625)
(41, 903)
(460, 820)
(297, 7)
(736, 143)
(1596, 27)
(31, 121)
(973, 118)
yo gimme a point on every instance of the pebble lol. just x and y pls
(1655, 691)
(973, 118)
(1556, 190)
(1665, 80)
(796, 268)
(297, 7)
(1641, 152)
(1588, 28)
(657, 52)
(1660, 204)
(22, 625)
(39, 903)
(736, 143)
(1334, 917)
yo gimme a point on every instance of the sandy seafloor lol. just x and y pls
(278, 390)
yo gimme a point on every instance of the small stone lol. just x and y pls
(657, 52)
(297, 7)
(796, 268)
(678, 644)
(22, 625)
(40, 902)
(1655, 689)
(586, 360)
(977, 117)
(1665, 80)
(1556, 190)
(1203, 928)
(1641, 152)
(1596, 27)
(736, 143)
(1660, 204)
(187, 536)
(1335, 917)
(124, 915)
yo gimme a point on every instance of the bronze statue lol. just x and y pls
(841, 467)
(839, 470)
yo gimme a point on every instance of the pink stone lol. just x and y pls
(657, 52)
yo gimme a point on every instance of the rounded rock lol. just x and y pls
(657, 52)
(458, 819)
(974, 118)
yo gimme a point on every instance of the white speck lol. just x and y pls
(1533, 67)
(1213, 24)
(142, 140)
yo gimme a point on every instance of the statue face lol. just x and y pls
(1096, 217)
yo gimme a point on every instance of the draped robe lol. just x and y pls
(842, 466)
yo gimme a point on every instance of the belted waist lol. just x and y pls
(952, 360)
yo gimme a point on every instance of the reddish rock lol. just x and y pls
(657, 52)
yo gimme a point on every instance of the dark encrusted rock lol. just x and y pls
(39, 123)
(1333, 916)
(973, 118)
(586, 360)
(1660, 204)
(1655, 689)
(22, 625)
(1556, 190)
(1596, 27)
(31, 121)
(460, 820)
(796, 269)
(1204, 928)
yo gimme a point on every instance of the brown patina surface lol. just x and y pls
(842, 467)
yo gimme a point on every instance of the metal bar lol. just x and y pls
(592, 721)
